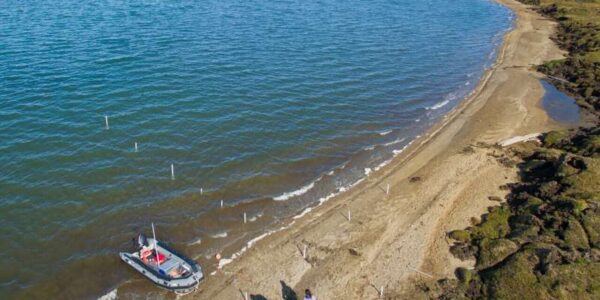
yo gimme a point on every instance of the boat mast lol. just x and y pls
(155, 247)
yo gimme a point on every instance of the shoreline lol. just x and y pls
(427, 134)
(372, 231)
(255, 271)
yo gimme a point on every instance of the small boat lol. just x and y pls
(163, 265)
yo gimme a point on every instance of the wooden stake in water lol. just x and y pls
(172, 172)
(244, 218)
(106, 122)
(201, 191)
(135, 147)
(221, 203)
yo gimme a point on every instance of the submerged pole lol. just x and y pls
(221, 203)
(106, 122)
(244, 218)
(135, 146)
(172, 172)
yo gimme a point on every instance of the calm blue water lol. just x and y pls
(559, 105)
(266, 105)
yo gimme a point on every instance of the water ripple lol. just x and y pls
(250, 100)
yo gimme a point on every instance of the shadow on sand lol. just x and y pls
(287, 293)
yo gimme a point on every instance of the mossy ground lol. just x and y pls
(544, 242)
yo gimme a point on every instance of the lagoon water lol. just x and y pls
(559, 106)
(269, 106)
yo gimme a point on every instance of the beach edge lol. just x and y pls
(324, 228)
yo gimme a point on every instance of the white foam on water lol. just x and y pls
(112, 295)
(298, 192)
(198, 241)
(385, 132)
(394, 142)
(383, 164)
(369, 148)
(417, 120)
(438, 105)
(324, 199)
(398, 151)
(303, 213)
(219, 235)
(225, 261)
(255, 217)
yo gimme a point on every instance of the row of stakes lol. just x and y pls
(135, 147)
(304, 250)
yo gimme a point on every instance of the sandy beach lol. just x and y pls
(436, 185)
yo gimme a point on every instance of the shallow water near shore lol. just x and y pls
(560, 106)
(269, 107)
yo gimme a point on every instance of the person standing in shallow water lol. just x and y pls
(308, 295)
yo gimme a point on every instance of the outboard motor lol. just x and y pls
(142, 241)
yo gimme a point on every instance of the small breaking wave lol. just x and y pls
(438, 105)
(197, 241)
(394, 142)
(225, 261)
(385, 132)
(303, 213)
(255, 217)
(298, 192)
(220, 235)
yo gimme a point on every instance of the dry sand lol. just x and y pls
(436, 186)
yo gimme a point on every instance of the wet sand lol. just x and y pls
(435, 186)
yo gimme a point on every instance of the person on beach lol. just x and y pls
(308, 295)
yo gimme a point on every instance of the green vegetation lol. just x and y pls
(544, 242)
